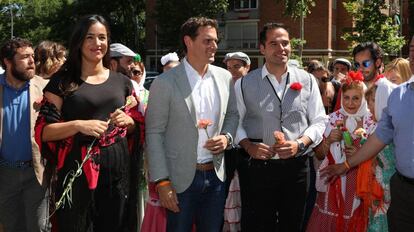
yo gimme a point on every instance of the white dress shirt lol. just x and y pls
(316, 113)
(207, 106)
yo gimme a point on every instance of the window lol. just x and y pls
(241, 35)
(245, 4)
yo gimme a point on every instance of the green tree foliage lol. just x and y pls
(371, 24)
(39, 20)
(171, 14)
(30, 20)
(295, 8)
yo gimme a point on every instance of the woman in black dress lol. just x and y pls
(85, 98)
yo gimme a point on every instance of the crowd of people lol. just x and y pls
(278, 148)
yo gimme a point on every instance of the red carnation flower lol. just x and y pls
(296, 86)
(356, 76)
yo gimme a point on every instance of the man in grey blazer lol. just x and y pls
(23, 176)
(186, 161)
(277, 97)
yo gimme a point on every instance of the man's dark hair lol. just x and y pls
(375, 50)
(269, 26)
(8, 51)
(190, 27)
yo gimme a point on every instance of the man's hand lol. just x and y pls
(332, 172)
(260, 151)
(216, 144)
(168, 198)
(286, 150)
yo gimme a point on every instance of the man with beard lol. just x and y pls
(368, 60)
(23, 184)
(122, 59)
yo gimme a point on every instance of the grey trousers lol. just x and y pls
(23, 201)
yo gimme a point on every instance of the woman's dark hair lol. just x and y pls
(72, 69)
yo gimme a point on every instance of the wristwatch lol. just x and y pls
(301, 145)
(229, 140)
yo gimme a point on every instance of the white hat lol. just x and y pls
(119, 50)
(343, 61)
(237, 56)
(169, 57)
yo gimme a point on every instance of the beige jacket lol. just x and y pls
(36, 93)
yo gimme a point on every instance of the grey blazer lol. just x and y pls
(171, 126)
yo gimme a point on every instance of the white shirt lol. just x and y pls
(316, 112)
(206, 102)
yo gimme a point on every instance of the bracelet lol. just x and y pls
(162, 184)
(347, 165)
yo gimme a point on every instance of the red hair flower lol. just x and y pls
(354, 76)
(296, 86)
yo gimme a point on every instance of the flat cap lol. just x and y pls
(118, 50)
(237, 56)
(343, 61)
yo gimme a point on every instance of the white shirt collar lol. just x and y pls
(265, 72)
(191, 72)
(411, 79)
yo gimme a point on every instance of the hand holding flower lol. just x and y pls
(335, 136)
(216, 144)
(121, 119)
(95, 128)
(279, 137)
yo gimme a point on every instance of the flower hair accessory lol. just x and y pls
(296, 86)
(354, 77)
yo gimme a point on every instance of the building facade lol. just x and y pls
(240, 26)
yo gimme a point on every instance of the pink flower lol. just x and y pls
(296, 86)
(203, 124)
(339, 124)
(279, 137)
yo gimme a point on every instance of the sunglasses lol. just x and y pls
(136, 72)
(365, 64)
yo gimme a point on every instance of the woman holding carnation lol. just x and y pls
(82, 106)
(337, 206)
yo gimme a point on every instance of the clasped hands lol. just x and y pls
(97, 128)
(264, 152)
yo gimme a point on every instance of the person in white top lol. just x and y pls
(283, 99)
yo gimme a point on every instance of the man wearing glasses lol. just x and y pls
(368, 60)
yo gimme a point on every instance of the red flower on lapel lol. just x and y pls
(296, 86)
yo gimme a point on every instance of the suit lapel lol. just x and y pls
(220, 85)
(185, 89)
